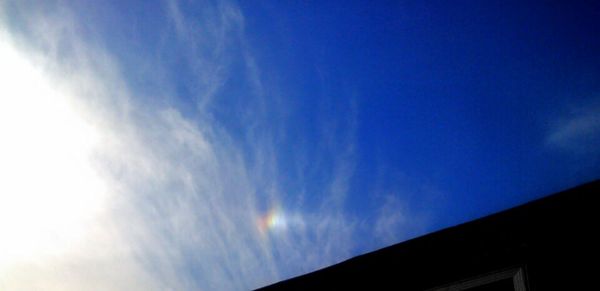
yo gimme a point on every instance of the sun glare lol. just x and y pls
(49, 192)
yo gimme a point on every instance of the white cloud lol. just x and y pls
(56, 231)
(579, 131)
(207, 39)
(391, 217)
(181, 201)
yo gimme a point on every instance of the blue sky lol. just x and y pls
(223, 145)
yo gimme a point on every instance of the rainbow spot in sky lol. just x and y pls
(273, 220)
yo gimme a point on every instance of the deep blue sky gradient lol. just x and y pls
(447, 105)
(259, 140)
(459, 96)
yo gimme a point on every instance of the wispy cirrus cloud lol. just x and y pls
(209, 42)
(579, 130)
(183, 196)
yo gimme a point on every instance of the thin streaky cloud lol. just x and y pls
(579, 131)
(184, 197)
(207, 43)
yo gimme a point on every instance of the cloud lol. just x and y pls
(404, 207)
(579, 131)
(391, 217)
(207, 40)
(183, 194)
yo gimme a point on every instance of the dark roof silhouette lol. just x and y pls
(547, 244)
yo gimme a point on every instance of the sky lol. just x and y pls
(227, 145)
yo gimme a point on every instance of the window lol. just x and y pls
(509, 280)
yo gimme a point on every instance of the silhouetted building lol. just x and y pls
(547, 244)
